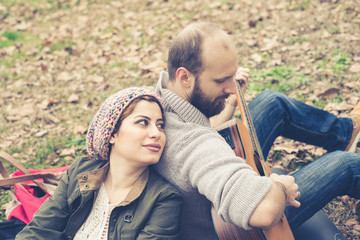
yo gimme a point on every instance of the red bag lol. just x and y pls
(28, 188)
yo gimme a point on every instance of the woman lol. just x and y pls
(113, 194)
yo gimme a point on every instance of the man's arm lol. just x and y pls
(282, 193)
(205, 161)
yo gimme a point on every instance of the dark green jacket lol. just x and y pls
(151, 210)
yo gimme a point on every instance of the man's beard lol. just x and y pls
(202, 102)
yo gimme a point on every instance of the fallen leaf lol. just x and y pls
(2, 8)
(51, 118)
(46, 103)
(355, 68)
(18, 113)
(329, 93)
(287, 159)
(41, 133)
(286, 149)
(256, 57)
(351, 222)
(68, 152)
(73, 98)
(64, 76)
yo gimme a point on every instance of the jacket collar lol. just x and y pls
(92, 180)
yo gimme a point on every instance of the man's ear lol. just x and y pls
(185, 78)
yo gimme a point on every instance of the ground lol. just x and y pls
(60, 59)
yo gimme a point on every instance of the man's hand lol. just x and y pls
(291, 188)
(283, 192)
(242, 75)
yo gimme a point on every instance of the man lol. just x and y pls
(202, 64)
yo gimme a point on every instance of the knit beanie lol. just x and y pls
(104, 122)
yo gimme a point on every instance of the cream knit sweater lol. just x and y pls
(203, 166)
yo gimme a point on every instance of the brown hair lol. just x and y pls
(186, 49)
(130, 108)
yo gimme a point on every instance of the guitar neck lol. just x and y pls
(246, 118)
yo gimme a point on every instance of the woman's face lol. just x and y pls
(141, 139)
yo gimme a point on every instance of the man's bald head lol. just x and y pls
(187, 49)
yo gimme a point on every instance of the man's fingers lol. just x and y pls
(295, 203)
(241, 69)
(242, 76)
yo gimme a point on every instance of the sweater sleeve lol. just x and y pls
(211, 166)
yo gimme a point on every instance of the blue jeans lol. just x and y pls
(336, 173)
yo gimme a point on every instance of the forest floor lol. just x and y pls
(60, 59)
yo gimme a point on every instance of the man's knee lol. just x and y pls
(269, 97)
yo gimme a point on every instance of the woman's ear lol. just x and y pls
(185, 78)
(112, 140)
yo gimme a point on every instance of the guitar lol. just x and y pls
(241, 136)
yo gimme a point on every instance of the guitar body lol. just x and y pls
(237, 136)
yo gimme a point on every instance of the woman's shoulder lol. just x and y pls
(83, 164)
(161, 185)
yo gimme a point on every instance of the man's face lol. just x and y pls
(216, 82)
(208, 105)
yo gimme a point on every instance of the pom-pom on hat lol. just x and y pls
(103, 124)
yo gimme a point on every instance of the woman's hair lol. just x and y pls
(130, 109)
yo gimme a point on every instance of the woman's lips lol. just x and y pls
(153, 147)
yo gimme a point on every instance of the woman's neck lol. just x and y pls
(119, 180)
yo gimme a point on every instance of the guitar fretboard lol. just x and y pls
(247, 119)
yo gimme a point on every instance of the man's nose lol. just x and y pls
(230, 88)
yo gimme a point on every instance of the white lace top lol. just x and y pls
(97, 223)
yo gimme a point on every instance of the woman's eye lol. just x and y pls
(142, 122)
(161, 125)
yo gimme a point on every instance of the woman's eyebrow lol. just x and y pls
(144, 116)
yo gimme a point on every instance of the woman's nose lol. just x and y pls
(154, 132)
